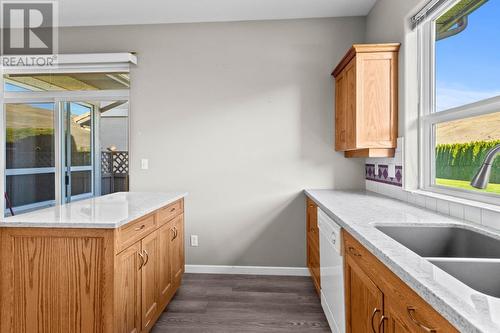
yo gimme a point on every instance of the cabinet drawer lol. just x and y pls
(134, 231)
(167, 213)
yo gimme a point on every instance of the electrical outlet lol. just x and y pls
(376, 169)
(194, 240)
(144, 164)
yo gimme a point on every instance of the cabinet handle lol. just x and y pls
(354, 252)
(175, 233)
(141, 256)
(381, 323)
(373, 317)
(172, 209)
(411, 310)
(147, 257)
(140, 228)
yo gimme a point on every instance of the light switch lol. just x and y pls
(391, 170)
(194, 240)
(144, 164)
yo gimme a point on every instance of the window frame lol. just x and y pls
(428, 116)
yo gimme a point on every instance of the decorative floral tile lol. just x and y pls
(383, 174)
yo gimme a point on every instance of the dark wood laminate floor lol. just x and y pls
(243, 303)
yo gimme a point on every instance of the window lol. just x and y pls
(65, 136)
(460, 98)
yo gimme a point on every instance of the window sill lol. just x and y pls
(458, 200)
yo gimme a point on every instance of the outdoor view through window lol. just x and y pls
(467, 67)
(91, 158)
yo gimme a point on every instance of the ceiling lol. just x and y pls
(116, 12)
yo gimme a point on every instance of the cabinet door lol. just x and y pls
(340, 111)
(150, 249)
(393, 323)
(177, 249)
(364, 300)
(128, 290)
(165, 279)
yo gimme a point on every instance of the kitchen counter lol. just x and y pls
(108, 211)
(358, 212)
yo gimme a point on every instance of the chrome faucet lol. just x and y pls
(482, 176)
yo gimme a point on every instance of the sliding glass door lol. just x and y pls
(79, 163)
(65, 137)
(30, 155)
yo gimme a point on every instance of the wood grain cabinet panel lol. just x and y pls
(366, 98)
(54, 281)
(378, 301)
(312, 238)
(364, 300)
(65, 280)
(150, 270)
(165, 280)
(128, 290)
(177, 249)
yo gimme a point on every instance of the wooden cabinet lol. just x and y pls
(377, 301)
(365, 301)
(91, 280)
(366, 101)
(150, 272)
(128, 289)
(165, 279)
(312, 236)
(177, 249)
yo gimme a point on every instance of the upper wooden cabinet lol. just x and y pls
(366, 101)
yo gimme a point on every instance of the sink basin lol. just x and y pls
(469, 256)
(466, 270)
(449, 242)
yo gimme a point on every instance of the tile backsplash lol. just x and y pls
(381, 173)
(393, 186)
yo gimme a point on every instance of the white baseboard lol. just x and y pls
(249, 270)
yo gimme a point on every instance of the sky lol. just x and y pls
(468, 64)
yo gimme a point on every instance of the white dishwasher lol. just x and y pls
(332, 272)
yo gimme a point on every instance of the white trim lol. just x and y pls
(81, 168)
(247, 270)
(65, 96)
(81, 63)
(429, 116)
(81, 196)
(96, 58)
(485, 106)
(29, 171)
(29, 207)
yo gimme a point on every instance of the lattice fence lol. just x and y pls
(114, 162)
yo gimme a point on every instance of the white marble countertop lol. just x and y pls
(108, 211)
(359, 211)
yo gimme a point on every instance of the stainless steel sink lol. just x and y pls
(451, 242)
(479, 275)
(469, 256)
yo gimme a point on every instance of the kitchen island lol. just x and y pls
(106, 264)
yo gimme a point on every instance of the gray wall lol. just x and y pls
(388, 21)
(240, 116)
